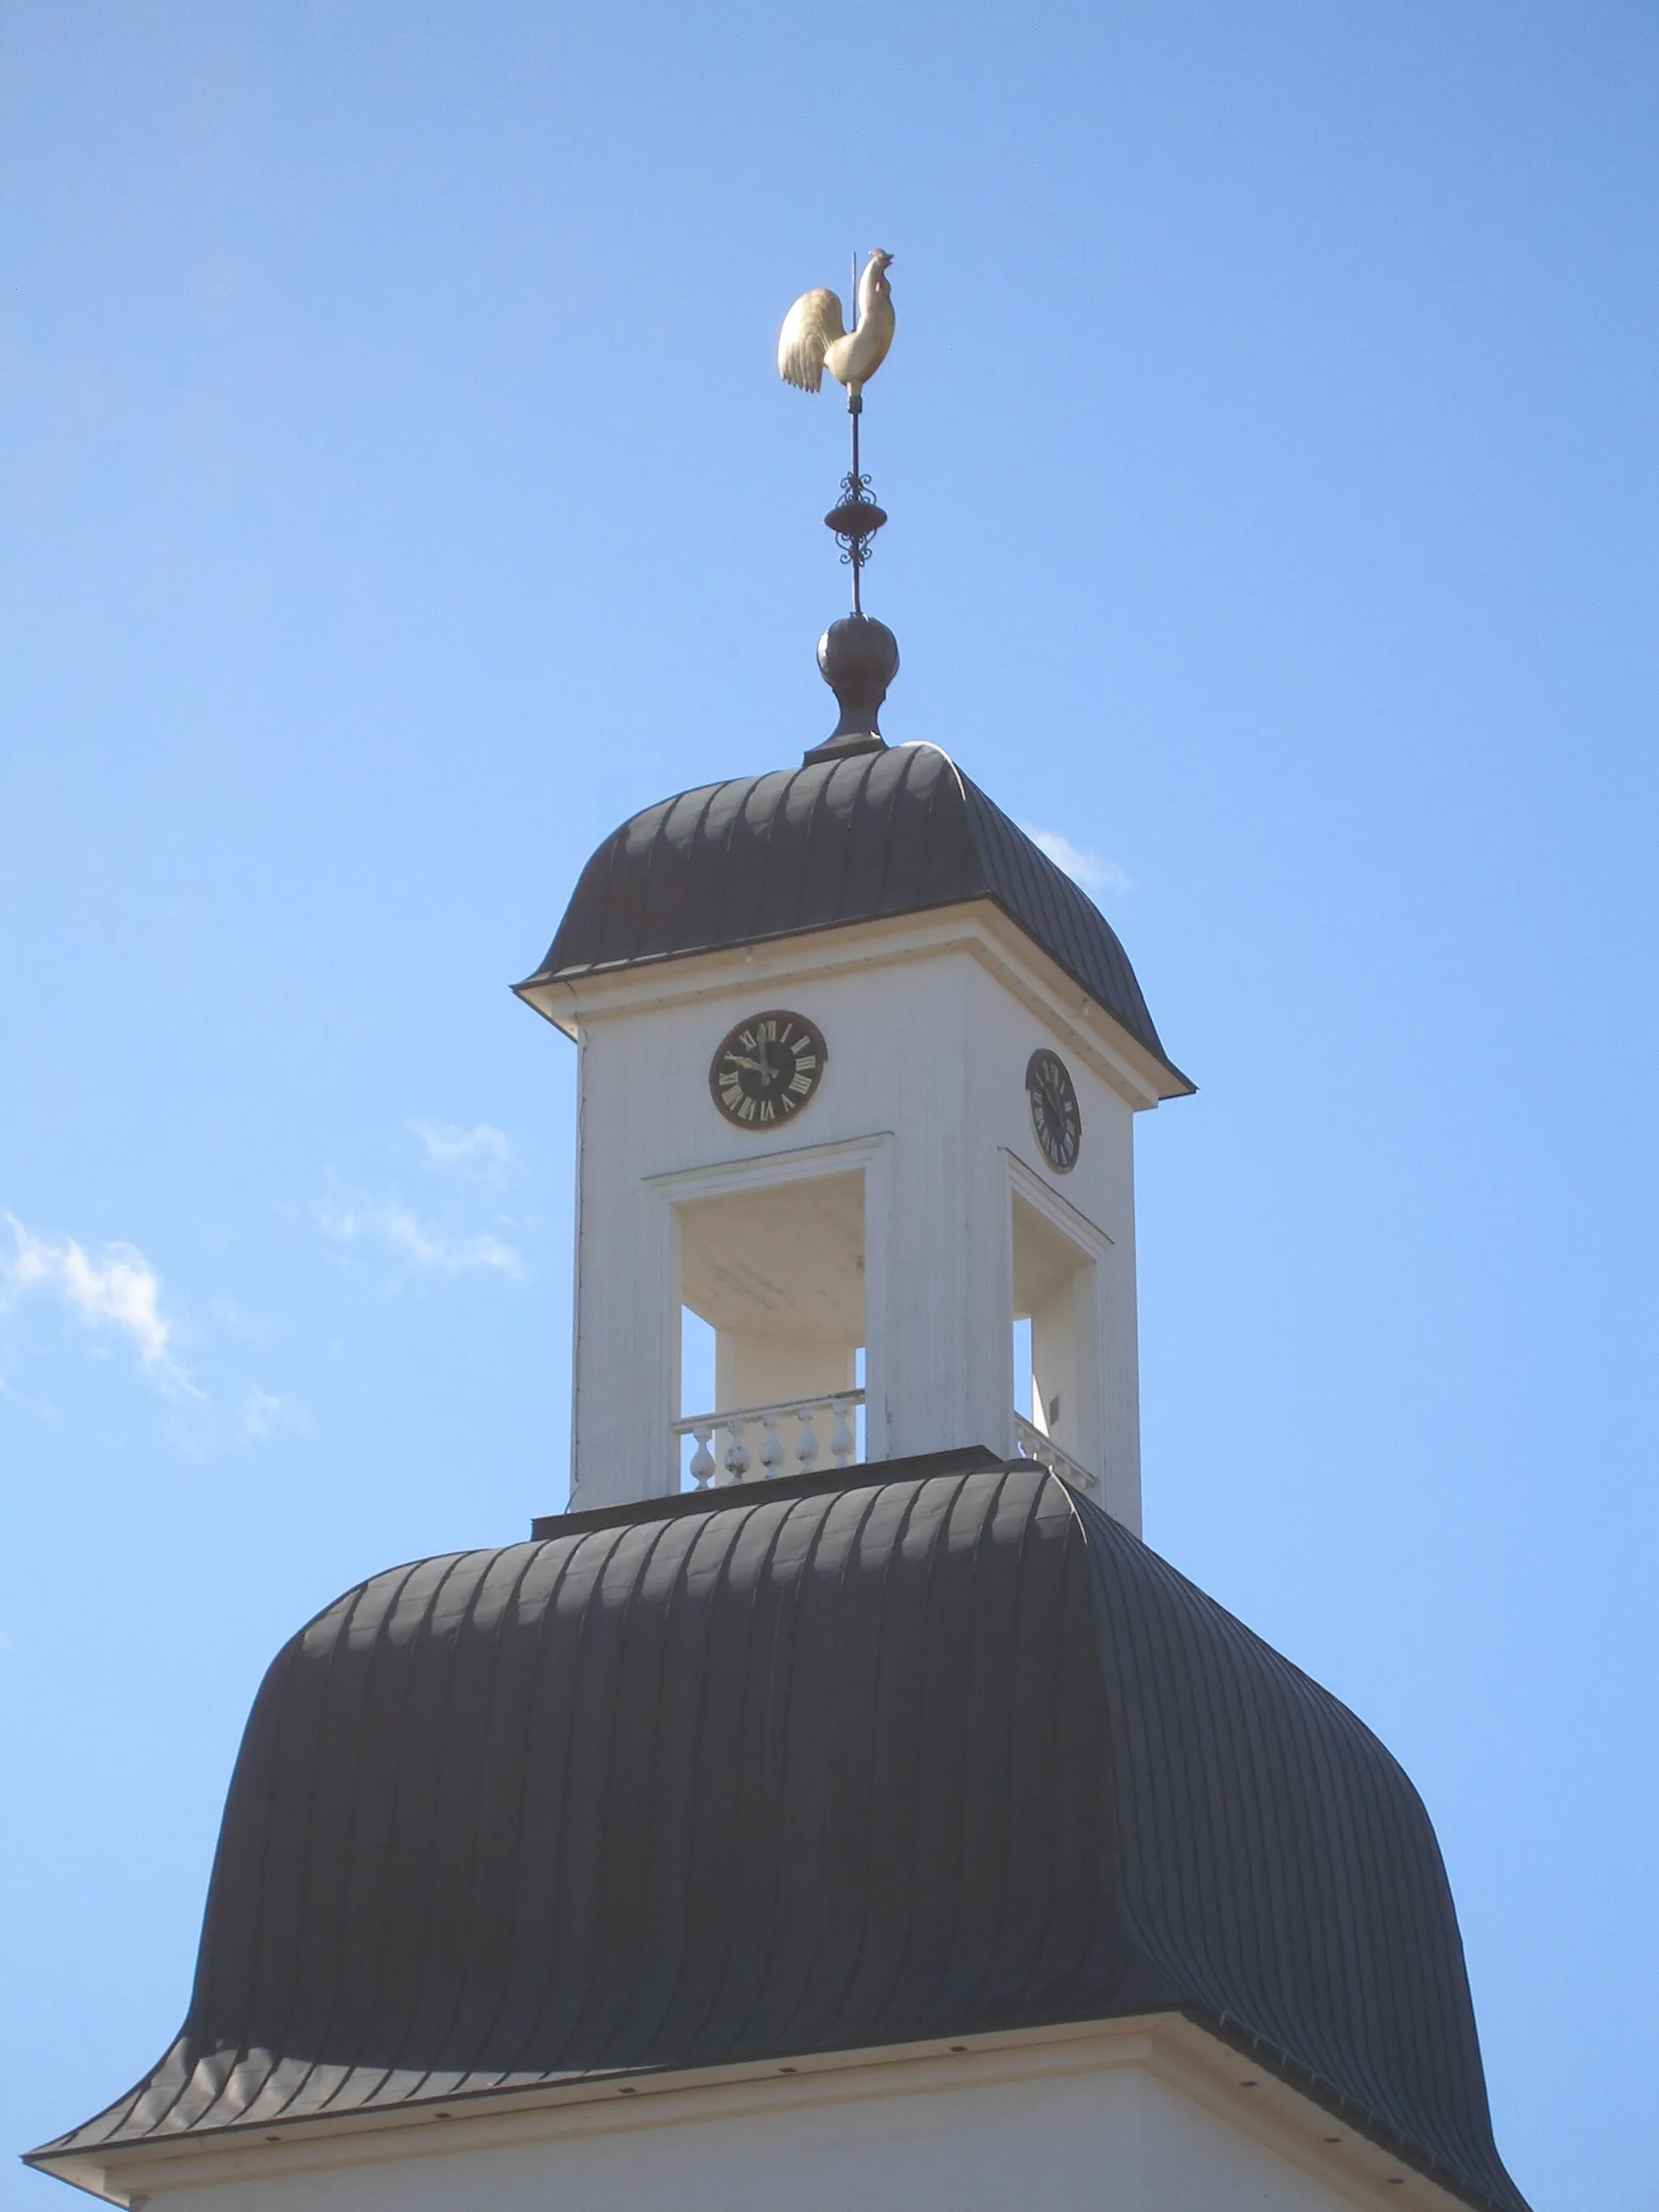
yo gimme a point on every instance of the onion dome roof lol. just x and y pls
(892, 831)
(828, 1763)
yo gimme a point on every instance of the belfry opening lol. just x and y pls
(1059, 1413)
(776, 1273)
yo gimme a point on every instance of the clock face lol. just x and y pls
(767, 1069)
(1054, 1114)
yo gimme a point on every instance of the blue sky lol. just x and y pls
(397, 492)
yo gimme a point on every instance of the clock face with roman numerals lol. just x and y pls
(767, 1069)
(1054, 1114)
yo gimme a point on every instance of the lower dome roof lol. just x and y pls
(907, 1752)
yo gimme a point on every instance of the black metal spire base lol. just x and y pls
(858, 656)
(858, 659)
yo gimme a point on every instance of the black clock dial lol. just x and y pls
(1054, 1114)
(767, 1069)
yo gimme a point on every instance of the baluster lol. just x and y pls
(702, 1460)
(806, 1442)
(772, 1452)
(842, 1441)
(737, 1452)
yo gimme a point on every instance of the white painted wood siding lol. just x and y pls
(928, 1027)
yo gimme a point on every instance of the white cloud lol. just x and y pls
(262, 1413)
(415, 1243)
(482, 1147)
(1093, 870)
(117, 1290)
(237, 1321)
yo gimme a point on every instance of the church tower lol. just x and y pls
(857, 1077)
(838, 1801)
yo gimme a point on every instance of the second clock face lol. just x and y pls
(1054, 1114)
(767, 1069)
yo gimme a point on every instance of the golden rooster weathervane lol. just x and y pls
(814, 338)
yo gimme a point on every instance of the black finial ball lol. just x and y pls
(858, 658)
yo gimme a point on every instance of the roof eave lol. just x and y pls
(1182, 2035)
(554, 993)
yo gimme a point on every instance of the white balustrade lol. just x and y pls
(1047, 1453)
(768, 1429)
(758, 1439)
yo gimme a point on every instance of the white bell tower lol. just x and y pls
(858, 1071)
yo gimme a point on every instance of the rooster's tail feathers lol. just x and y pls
(810, 329)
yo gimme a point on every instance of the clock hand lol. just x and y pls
(738, 1061)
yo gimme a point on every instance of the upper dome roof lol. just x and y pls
(907, 1752)
(884, 833)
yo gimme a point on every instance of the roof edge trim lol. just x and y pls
(536, 989)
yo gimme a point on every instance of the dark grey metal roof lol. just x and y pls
(912, 1751)
(886, 833)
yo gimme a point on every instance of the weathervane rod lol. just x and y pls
(860, 549)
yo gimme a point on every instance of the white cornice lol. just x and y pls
(1177, 2051)
(979, 928)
